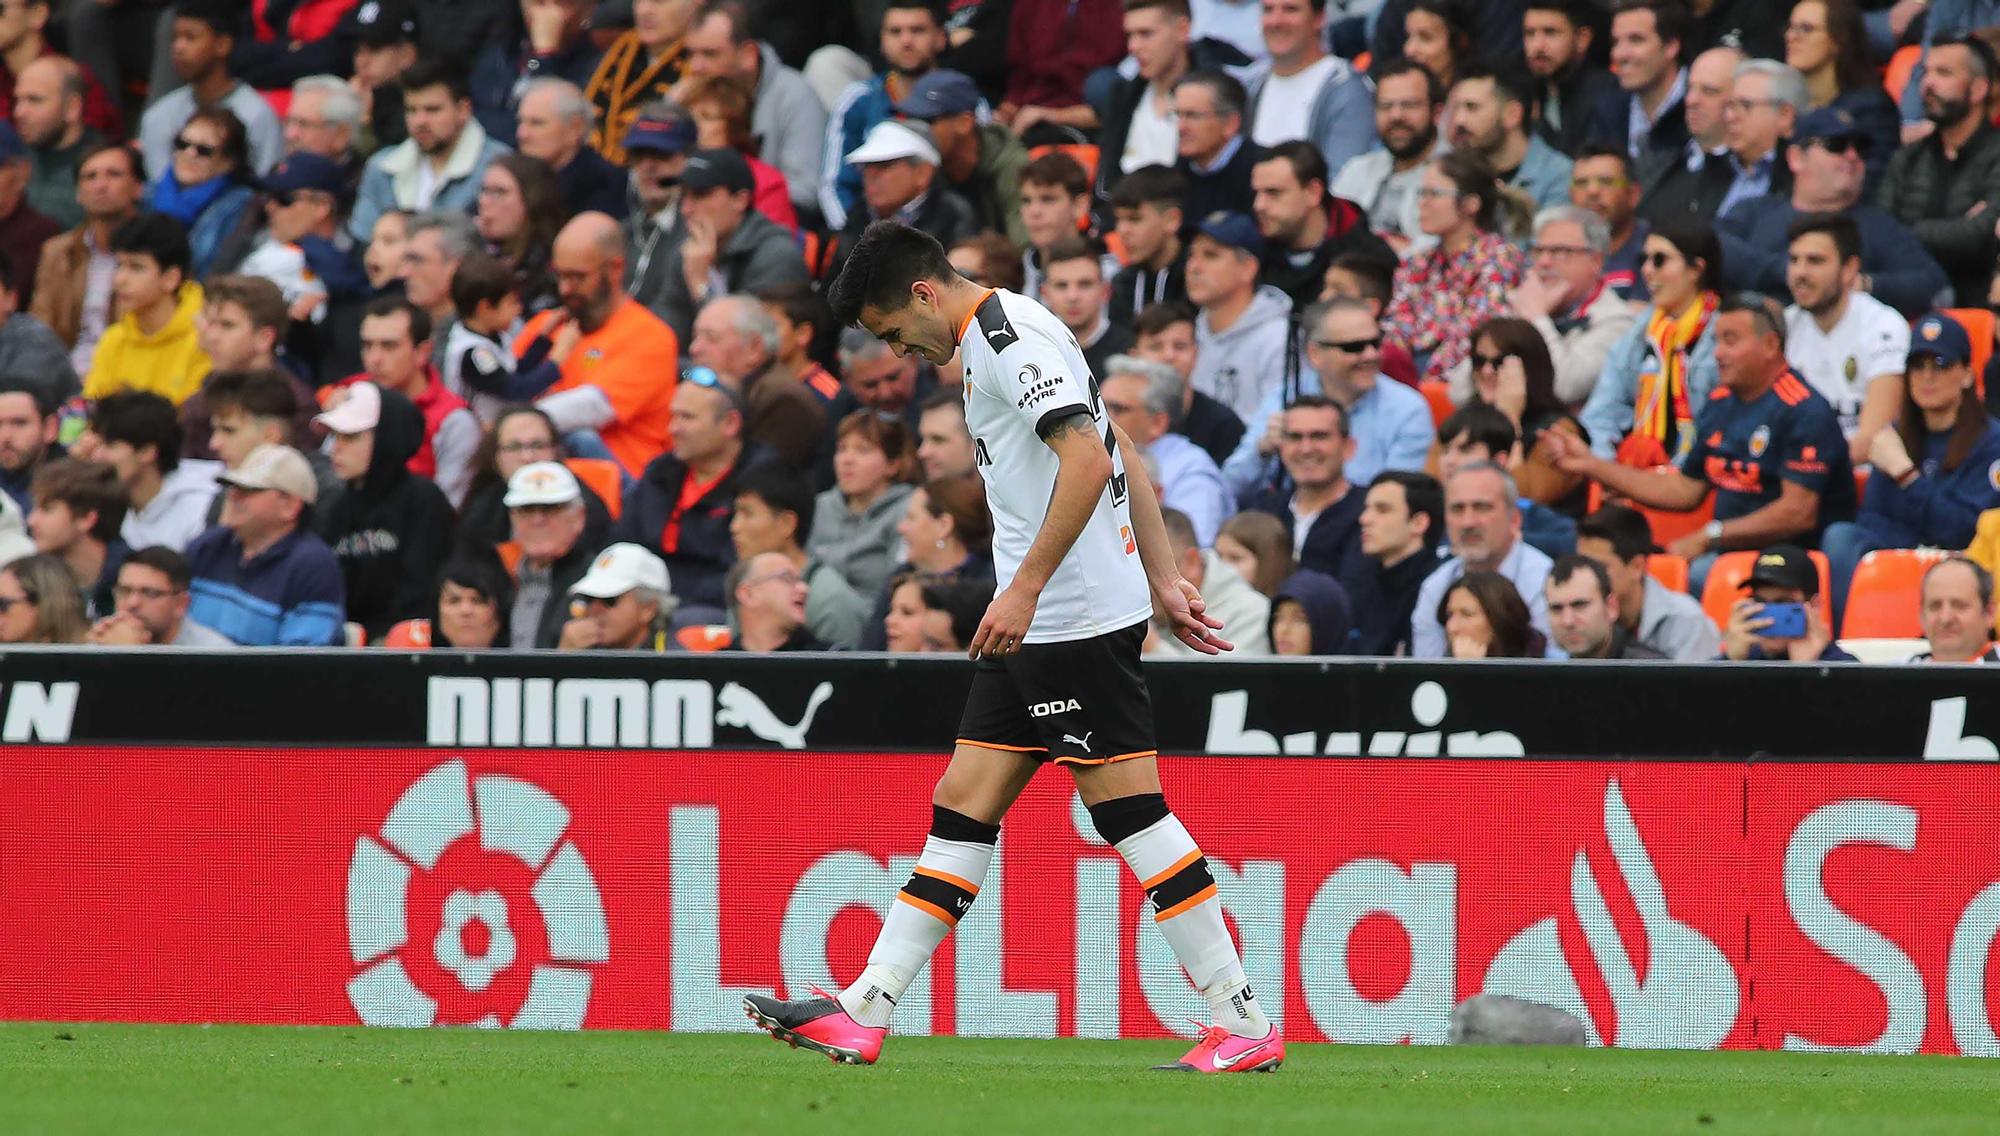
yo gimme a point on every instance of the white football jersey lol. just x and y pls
(1022, 366)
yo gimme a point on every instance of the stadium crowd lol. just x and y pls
(1449, 328)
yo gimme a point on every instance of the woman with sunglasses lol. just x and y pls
(1827, 42)
(1511, 372)
(1460, 282)
(40, 602)
(1642, 410)
(204, 186)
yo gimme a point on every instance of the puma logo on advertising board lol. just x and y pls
(605, 713)
(1229, 711)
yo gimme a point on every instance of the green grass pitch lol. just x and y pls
(170, 1079)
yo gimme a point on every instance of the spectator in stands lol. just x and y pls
(391, 529)
(521, 436)
(1603, 182)
(395, 356)
(262, 406)
(1583, 613)
(1139, 124)
(947, 534)
(1141, 396)
(1828, 44)
(773, 515)
(682, 503)
(39, 602)
(1370, 281)
(1488, 113)
(469, 610)
(855, 521)
(657, 149)
(641, 65)
(1384, 181)
(79, 507)
(384, 36)
(1934, 467)
(1402, 520)
(899, 179)
(28, 347)
(1442, 294)
(545, 509)
(615, 359)
(877, 379)
(979, 161)
(1437, 35)
(1483, 617)
(789, 118)
(1230, 597)
(139, 437)
(1510, 371)
(203, 186)
(549, 39)
(324, 118)
(1390, 423)
(242, 323)
(1303, 93)
(152, 600)
(488, 307)
(438, 243)
(1167, 334)
(1074, 288)
(1311, 615)
(440, 165)
(1243, 334)
(153, 346)
(23, 43)
(1767, 102)
(626, 602)
(1304, 229)
(1257, 546)
(552, 125)
(1556, 37)
(1646, 53)
(1479, 431)
(721, 109)
(1783, 575)
(1213, 154)
(302, 244)
(1055, 206)
(520, 211)
(736, 338)
(261, 578)
(1658, 377)
(1483, 521)
(990, 261)
(725, 245)
(1955, 605)
(382, 264)
(767, 603)
(911, 39)
(1827, 171)
(1847, 344)
(944, 448)
(1147, 207)
(1945, 184)
(1664, 175)
(1052, 45)
(1767, 445)
(1319, 505)
(933, 614)
(204, 31)
(803, 322)
(1651, 614)
(1564, 295)
(22, 230)
(48, 113)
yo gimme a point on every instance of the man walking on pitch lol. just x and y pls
(1081, 554)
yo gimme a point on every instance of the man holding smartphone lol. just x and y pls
(1779, 620)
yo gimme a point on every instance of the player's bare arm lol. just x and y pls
(1083, 471)
(1182, 602)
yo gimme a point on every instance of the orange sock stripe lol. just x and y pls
(1195, 900)
(947, 877)
(1179, 864)
(928, 908)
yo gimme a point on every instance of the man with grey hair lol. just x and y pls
(324, 118)
(1564, 295)
(1482, 516)
(1763, 110)
(723, 244)
(736, 338)
(874, 378)
(1142, 397)
(552, 124)
(438, 243)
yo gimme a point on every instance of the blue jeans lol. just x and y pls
(1845, 543)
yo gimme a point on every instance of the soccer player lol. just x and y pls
(1081, 554)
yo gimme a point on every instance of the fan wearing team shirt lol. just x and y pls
(1081, 556)
(1847, 344)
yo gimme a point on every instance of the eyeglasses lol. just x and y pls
(1560, 252)
(1435, 192)
(527, 447)
(1349, 346)
(123, 592)
(1840, 146)
(1482, 362)
(203, 149)
(1659, 259)
(1745, 106)
(787, 578)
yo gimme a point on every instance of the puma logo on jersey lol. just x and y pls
(1082, 742)
(1059, 706)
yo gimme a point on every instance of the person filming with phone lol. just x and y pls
(1778, 621)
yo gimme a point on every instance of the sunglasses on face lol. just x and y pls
(1482, 362)
(1658, 260)
(285, 200)
(1839, 146)
(201, 149)
(1349, 346)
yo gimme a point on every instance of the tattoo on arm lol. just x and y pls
(1077, 423)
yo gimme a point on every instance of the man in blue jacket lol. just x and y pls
(912, 40)
(260, 577)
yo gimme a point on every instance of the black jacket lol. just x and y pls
(1210, 424)
(591, 183)
(1116, 340)
(1333, 544)
(1137, 287)
(563, 575)
(1384, 600)
(943, 214)
(702, 552)
(1679, 191)
(1666, 142)
(390, 532)
(1227, 188)
(1346, 231)
(1582, 91)
(1203, 55)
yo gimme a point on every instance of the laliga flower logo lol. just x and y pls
(453, 850)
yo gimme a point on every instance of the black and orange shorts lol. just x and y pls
(1081, 702)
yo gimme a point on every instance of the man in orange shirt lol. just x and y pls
(601, 365)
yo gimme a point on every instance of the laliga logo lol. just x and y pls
(1687, 997)
(482, 861)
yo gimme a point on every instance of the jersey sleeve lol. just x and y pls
(1695, 464)
(1811, 438)
(1043, 387)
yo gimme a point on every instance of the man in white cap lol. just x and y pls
(548, 554)
(260, 577)
(899, 180)
(621, 604)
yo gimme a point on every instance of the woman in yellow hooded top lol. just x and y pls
(154, 345)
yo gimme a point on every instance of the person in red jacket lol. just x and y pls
(395, 354)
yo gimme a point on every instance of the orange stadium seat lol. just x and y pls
(702, 638)
(1725, 585)
(1670, 570)
(1667, 525)
(1084, 153)
(602, 478)
(1902, 65)
(1978, 325)
(1438, 393)
(1882, 600)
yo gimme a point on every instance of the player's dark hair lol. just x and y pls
(1839, 227)
(1481, 424)
(782, 491)
(139, 419)
(889, 257)
(1422, 495)
(1161, 186)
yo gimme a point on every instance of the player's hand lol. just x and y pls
(1188, 614)
(1005, 625)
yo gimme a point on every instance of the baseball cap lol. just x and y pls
(1940, 337)
(1237, 230)
(1785, 566)
(890, 141)
(542, 483)
(619, 569)
(1827, 122)
(380, 22)
(673, 135)
(271, 466)
(360, 411)
(938, 94)
(305, 171)
(717, 169)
